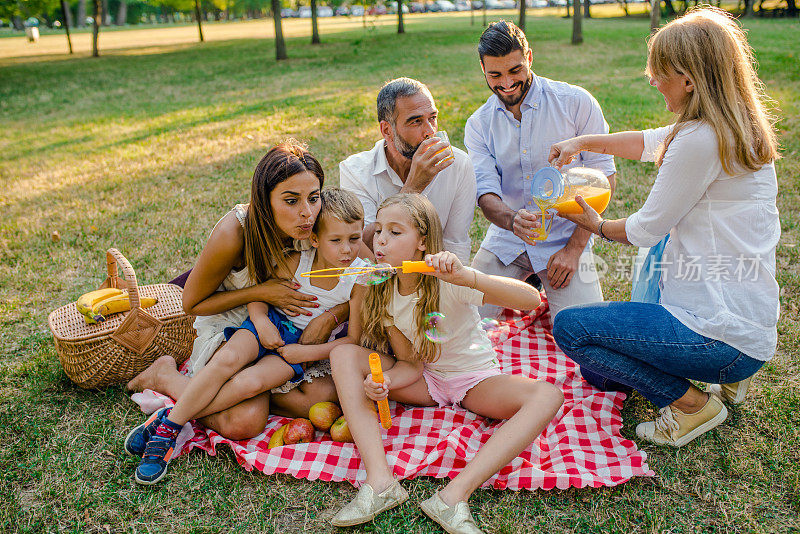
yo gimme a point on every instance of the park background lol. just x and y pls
(145, 147)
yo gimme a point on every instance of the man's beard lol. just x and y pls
(513, 101)
(406, 149)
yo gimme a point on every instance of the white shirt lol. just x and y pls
(465, 346)
(718, 267)
(452, 192)
(326, 298)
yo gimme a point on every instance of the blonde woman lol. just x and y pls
(716, 321)
(442, 357)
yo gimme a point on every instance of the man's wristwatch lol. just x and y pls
(600, 231)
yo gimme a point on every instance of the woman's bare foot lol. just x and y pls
(151, 377)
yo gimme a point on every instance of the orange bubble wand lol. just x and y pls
(377, 376)
(407, 267)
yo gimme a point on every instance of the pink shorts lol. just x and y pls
(447, 391)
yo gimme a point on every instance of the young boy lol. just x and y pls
(336, 242)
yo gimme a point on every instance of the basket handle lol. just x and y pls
(115, 258)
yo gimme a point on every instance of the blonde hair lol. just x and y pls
(709, 47)
(341, 204)
(373, 313)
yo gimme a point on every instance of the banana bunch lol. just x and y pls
(97, 305)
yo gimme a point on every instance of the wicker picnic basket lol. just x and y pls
(116, 350)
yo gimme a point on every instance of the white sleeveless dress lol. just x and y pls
(210, 328)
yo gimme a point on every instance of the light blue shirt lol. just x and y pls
(505, 154)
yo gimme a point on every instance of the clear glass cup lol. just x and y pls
(441, 134)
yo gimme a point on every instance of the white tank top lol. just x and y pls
(325, 298)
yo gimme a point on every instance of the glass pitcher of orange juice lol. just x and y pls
(589, 183)
(552, 189)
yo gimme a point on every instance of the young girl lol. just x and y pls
(715, 196)
(454, 366)
(246, 250)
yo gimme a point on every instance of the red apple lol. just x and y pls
(298, 431)
(341, 432)
(324, 414)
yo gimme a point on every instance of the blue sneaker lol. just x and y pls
(154, 462)
(137, 439)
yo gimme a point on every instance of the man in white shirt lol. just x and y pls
(509, 139)
(409, 159)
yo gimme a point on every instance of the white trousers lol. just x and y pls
(584, 288)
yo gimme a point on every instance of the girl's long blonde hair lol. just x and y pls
(374, 333)
(710, 48)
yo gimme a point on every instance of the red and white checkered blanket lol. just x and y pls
(582, 446)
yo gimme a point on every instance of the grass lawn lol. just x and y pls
(144, 149)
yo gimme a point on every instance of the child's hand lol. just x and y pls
(448, 268)
(293, 353)
(376, 391)
(269, 336)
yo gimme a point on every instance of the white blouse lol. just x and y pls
(718, 267)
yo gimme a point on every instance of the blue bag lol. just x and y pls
(646, 278)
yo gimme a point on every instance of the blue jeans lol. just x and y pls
(289, 334)
(643, 347)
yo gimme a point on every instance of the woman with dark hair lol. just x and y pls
(237, 266)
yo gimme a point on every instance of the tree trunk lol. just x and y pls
(586, 13)
(67, 17)
(748, 8)
(523, 4)
(484, 13)
(81, 14)
(199, 18)
(471, 14)
(280, 45)
(577, 22)
(122, 13)
(401, 28)
(669, 9)
(97, 16)
(791, 8)
(314, 25)
(569, 3)
(106, 20)
(655, 15)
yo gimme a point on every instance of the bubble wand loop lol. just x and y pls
(406, 267)
(377, 376)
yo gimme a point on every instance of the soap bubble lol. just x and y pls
(434, 327)
(380, 273)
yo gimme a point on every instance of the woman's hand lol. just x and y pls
(588, 220)
(376, 391)
(564, 152)
(283, 294)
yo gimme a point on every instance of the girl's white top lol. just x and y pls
(465, 346)
(326, 298)
(718, 267)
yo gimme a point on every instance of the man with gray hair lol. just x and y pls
(410, 159)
